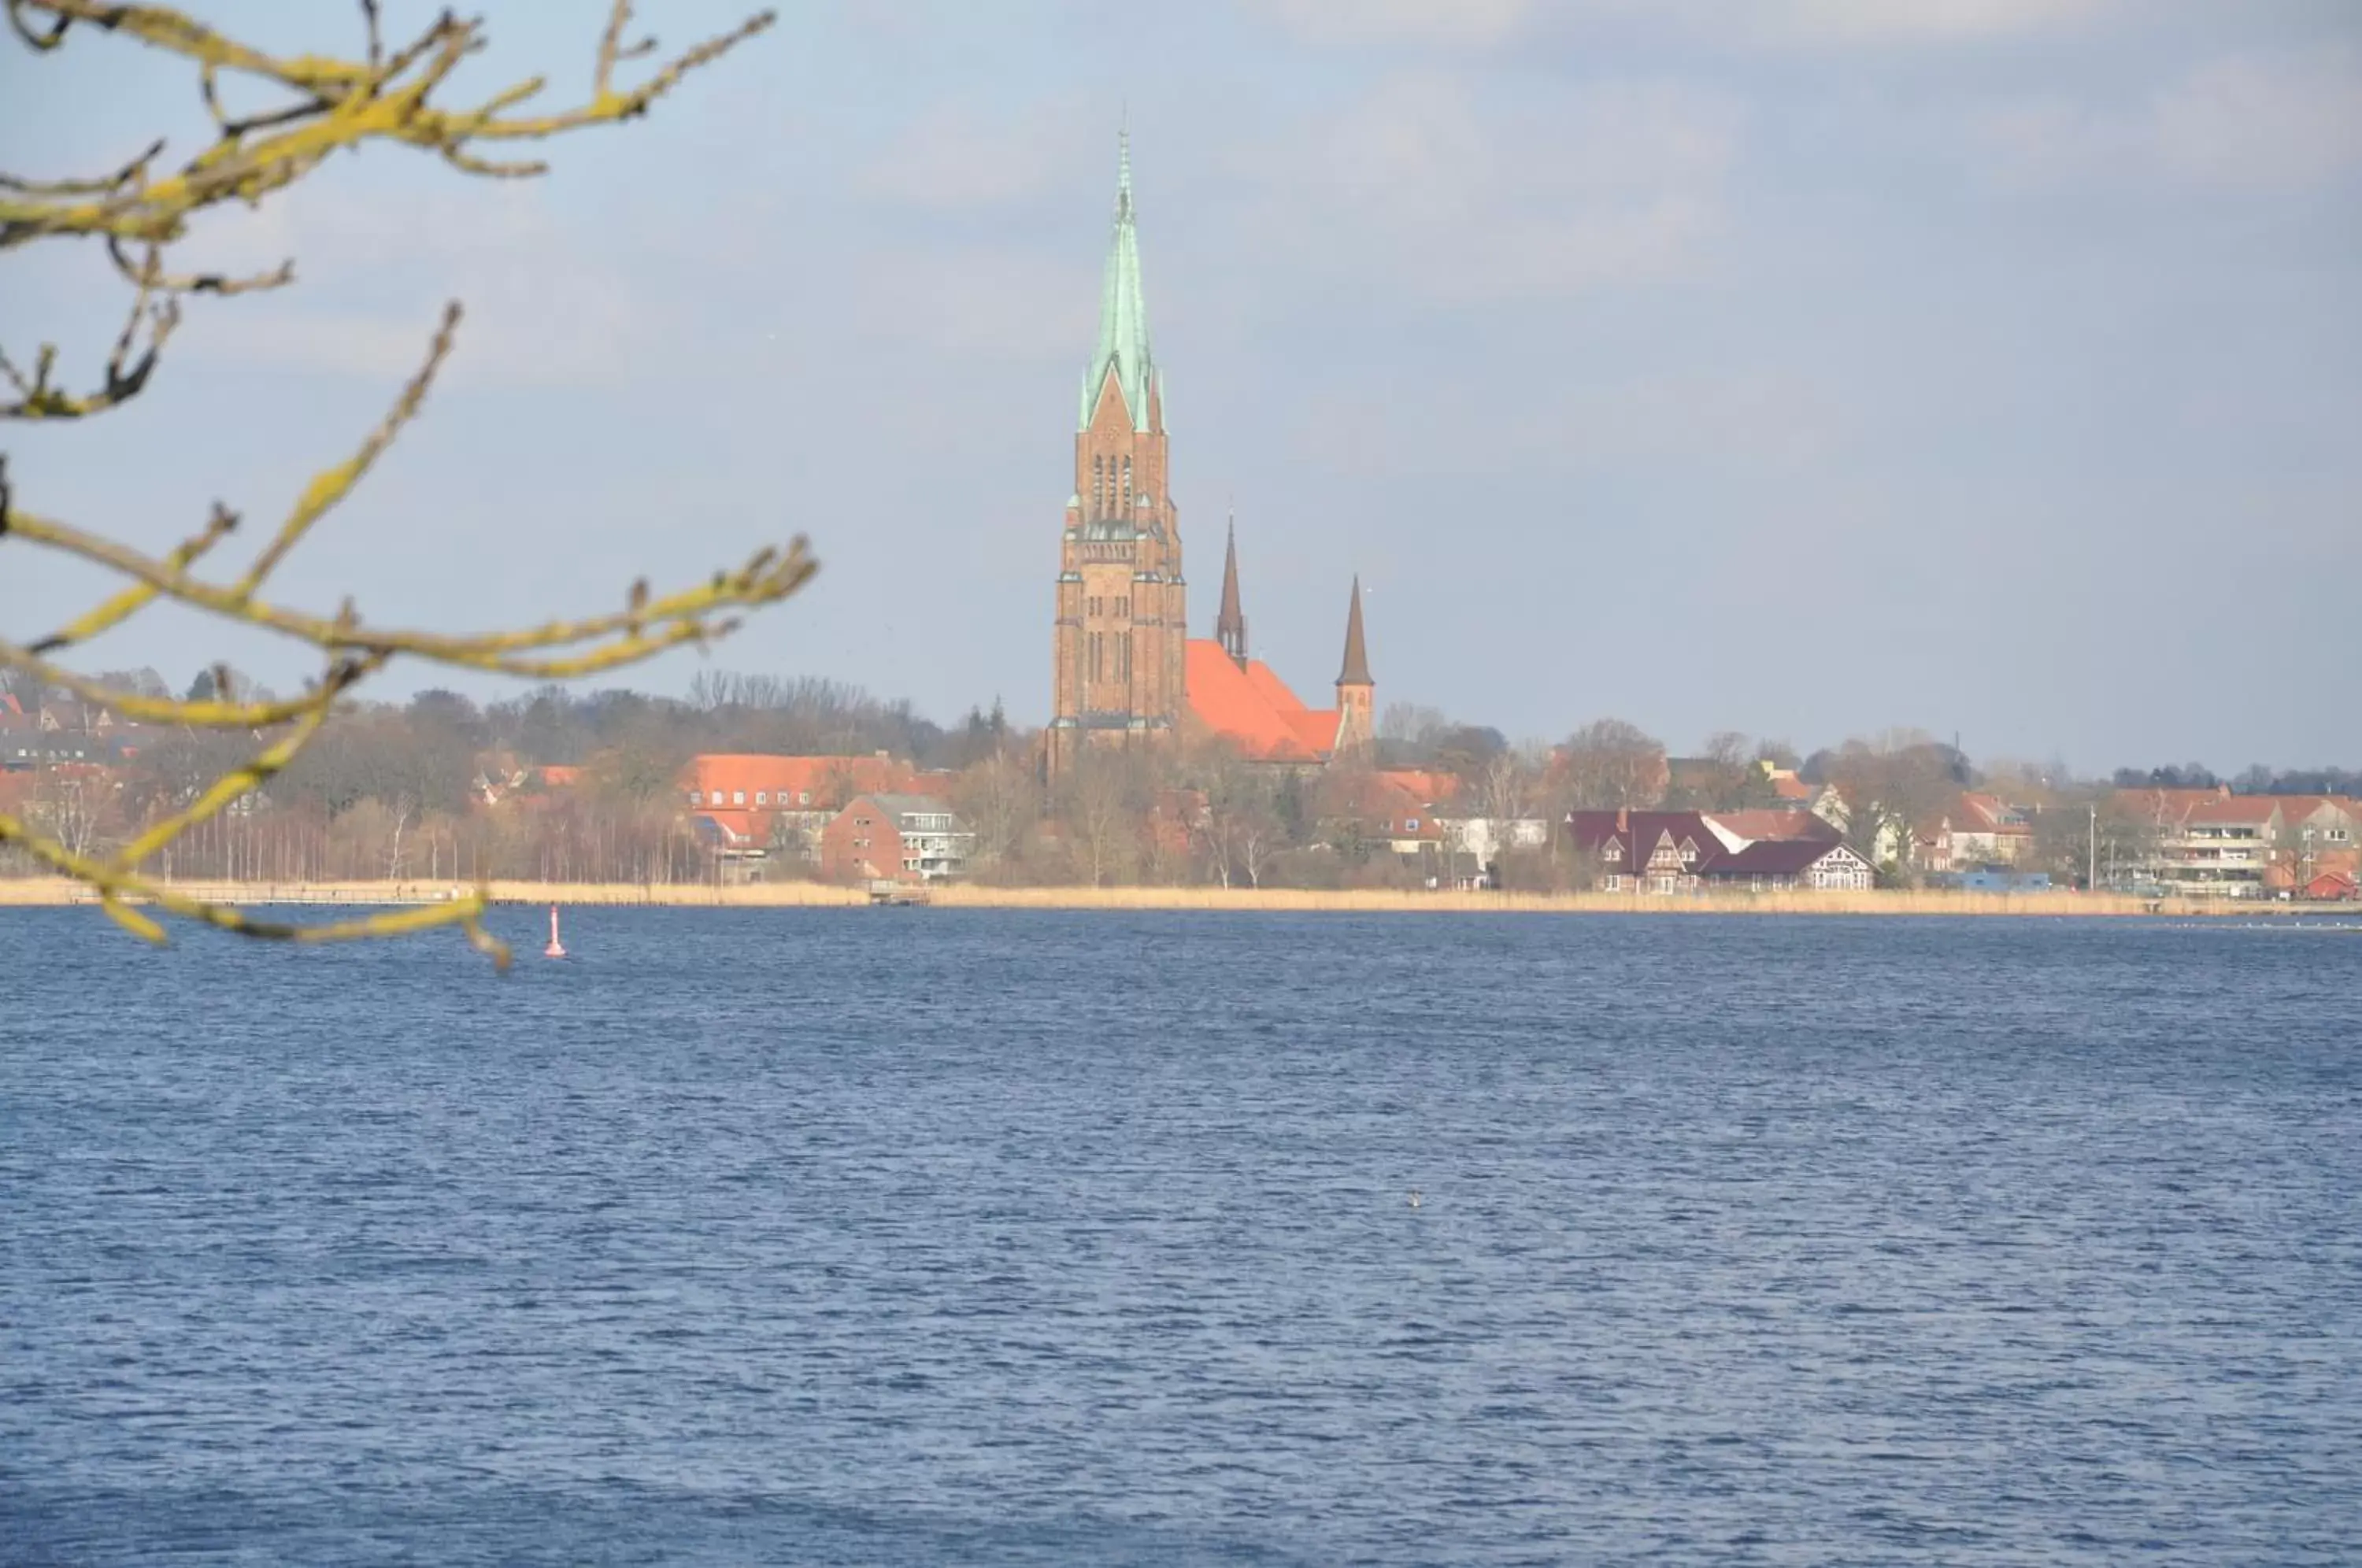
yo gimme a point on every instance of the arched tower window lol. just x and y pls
(1099, 485)
(1126, 484)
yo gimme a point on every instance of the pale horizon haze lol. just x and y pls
(1807, 368)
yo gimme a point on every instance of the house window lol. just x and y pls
(761, 799)
(803, 796)
(693, 799)
(737, 797)
(1410, 824)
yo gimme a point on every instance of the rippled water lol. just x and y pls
(911, 1236)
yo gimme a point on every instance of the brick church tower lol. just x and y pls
(1121, 608)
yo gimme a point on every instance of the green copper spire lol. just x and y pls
(1123, 309)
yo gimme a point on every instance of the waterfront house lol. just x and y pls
(891, 837)
(759, 811)
(1682, 852)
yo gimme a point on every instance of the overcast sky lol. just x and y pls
(1806, 367)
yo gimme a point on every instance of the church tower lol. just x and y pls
(1355, 689)
(1121, 617)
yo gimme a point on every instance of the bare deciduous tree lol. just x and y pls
(1609, 763)
(136, 213)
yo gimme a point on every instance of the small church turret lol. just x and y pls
(1230, 626)
(1355, 691)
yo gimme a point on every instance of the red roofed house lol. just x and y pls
(2320, 835)
(2331, 885)
(755, 809)
(1988, 830)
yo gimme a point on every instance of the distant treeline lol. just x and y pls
(2256, 780)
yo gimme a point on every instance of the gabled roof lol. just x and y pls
(820, 776)
(1780, 857)
(1376, 800)
(2238, 811)
(2159, 805)
(1252, 708)
(1640, 834)
(1770, 823)
(899, 805)
(1432, 786)
(2304, 808)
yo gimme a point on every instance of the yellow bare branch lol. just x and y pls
(40, 399)
(345, 104)
(680, 617)
(196, 714)
(330, 486)
(149, 274)
(329, 104)
(135, 169)
(115, 887)
(127, 602)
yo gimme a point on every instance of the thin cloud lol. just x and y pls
(962, 157)
(1464, 200)
(1461, 23)
(1478, 25)
(2250, 121)
(543, 309)
(1004, 302)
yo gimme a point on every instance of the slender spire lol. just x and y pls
(1123, 309)
(1357, 653)
(1230, 626)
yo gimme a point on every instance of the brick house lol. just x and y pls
(757, 809)
(890, 837)
(2318, 836)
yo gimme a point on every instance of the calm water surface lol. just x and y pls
(930, 1236)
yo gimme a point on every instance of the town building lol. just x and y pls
(899, 838)
(2204, 843)
(1123, 668)
(1986, 830)
(1685, 852)
(760, 812)
(2320, 835)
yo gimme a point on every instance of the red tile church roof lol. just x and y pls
(1254, 709)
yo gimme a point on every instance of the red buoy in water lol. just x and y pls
(555, 949)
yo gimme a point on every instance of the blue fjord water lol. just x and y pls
(934, 1236)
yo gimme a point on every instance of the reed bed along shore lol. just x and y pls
(57, 891)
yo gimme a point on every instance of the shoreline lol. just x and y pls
(58, 892)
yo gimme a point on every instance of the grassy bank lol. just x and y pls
(55, 891)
